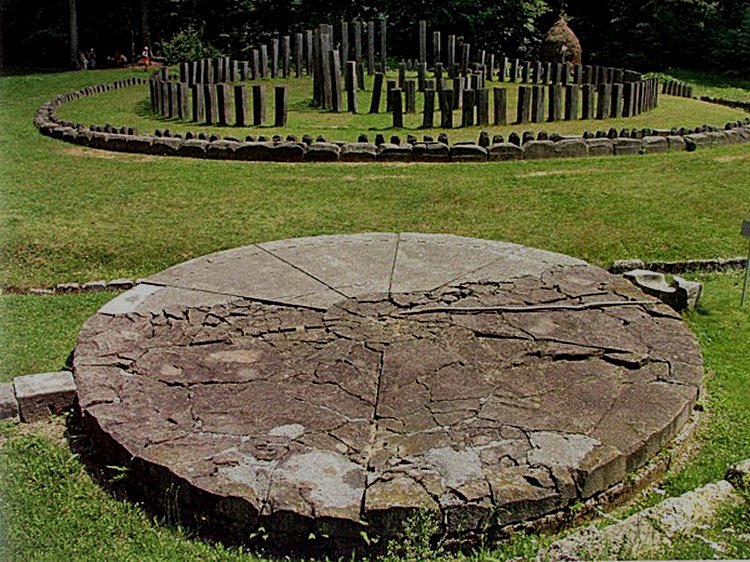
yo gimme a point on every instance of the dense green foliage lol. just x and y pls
(642, 34)
(187, 45)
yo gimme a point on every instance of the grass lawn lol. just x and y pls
(74, 214)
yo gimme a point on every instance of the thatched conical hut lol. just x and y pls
(561, 44)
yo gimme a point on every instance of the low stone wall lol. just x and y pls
(290, 149)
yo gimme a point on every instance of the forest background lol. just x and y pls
(645, 35)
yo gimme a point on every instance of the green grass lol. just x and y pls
(723, 329)
(38, 333)
(74, 214)
(53, 510)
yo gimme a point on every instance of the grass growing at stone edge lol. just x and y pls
(723, 329)
(52, 500)
(38, 333)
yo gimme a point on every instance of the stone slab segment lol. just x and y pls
(44, 394)
(304, 417)
(350, 265)
(8, 402)
(249, 272)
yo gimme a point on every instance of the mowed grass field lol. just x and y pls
(75, 214)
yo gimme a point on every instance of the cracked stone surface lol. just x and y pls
(289, 385)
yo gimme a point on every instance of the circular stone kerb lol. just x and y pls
(290, 385)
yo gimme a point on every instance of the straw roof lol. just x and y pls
(561, 43)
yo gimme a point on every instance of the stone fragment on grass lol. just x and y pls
(739, 475)
(8, 402)
(94, 286)
(643, 533)
(681, 294)
(43, 394)
(621, 266)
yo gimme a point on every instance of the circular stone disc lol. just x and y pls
(315, 383)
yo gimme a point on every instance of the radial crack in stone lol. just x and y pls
(362, 411)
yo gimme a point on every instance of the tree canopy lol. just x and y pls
(640, 34)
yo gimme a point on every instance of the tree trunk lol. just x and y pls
(145, 33)
(73, 10)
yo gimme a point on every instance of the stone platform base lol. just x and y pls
(321, 387)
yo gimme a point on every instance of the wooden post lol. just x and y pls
(371, 48)
(571, 102)
(280, 106)
(337, 103)
(537, 104)
(352, 105)
(428, 115)
(422, 41)
(397, 107)
(223, 103)
(240, 106)
(500, 106)
(383, 43)
(298, 54)
(377, 90)
(259, 105)
(286, 55)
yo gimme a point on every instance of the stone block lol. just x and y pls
(691, 291)
(431, 152)
(322, 152)
(120, 284)
(193, 148)
(468, 153)
(94, 286)
(222, 150)
(571, 148)
(718, 138)
(98, 140)
(653, 145)
(697, 140)
(139, 144)
(739, 475)
(621, 266)
(388, 152)
(505, 151)
(358, 152)
(627, 146)
(535, 150)
(43, 394)
(680, 295)
(70, 136)
(165, 146)
(83, 138)
(8, 402)
(269, 152)
(676, 142)
(600, 147)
